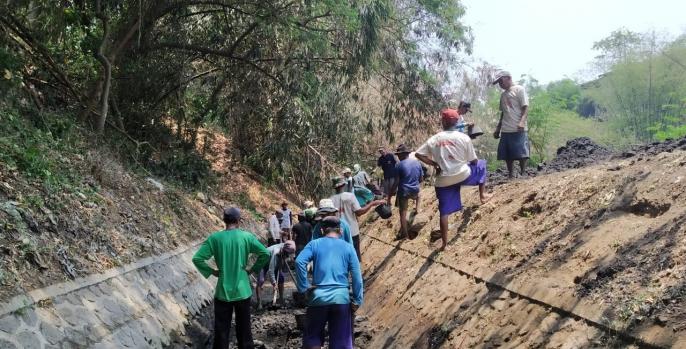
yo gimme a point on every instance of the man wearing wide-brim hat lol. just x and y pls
(327, 209)
(512, 127)
(408, 174)
(452, 154)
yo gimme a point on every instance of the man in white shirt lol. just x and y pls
(349, 209)
(512, 127)
(274, 229)
(452, 154)
(287, 222)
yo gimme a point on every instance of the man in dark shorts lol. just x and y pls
(408, 174)
(329, 301)
(387, 163)
(452, 154)
(512, 127)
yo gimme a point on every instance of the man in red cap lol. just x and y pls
(452, 154)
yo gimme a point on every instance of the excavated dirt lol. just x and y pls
(583, 151)
(271, 328)
(588, 257)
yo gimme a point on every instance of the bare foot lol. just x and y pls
(442, 248)
(485, 198)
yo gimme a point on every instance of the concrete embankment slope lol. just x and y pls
(135, 306)
(581, 258)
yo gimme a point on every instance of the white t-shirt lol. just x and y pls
(286, 222)
(511, 103)
(452, 150)
(274, 227)
(347, 204)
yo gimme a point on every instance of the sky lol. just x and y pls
(552, 39)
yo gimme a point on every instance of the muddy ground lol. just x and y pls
(272, 327)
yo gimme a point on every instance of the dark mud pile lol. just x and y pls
(577, 153)
(271, 327)
(583, 151)
(654, 148)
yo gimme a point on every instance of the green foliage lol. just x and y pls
(565, 93)
(35, 150)
(541, 125)
(673, 124)
(644, 84)
(288, 82)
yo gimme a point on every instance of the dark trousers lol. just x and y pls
(356, 244)
(223, 311)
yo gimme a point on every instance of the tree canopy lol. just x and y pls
(297, 86)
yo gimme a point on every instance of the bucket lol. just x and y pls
(300, 321)
(474, 131)
(385, 211)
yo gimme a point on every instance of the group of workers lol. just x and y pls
(325, 241)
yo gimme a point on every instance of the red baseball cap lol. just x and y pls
(449, 114)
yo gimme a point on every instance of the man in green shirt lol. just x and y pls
(230, 249)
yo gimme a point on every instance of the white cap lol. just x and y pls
(499, 75)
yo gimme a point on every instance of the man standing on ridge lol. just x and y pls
(452, 154)
(387, 163)
(349, 209)
(512, 127)
(329, 302)
(408, 173)
(230, 249)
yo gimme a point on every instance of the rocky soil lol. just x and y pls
(271, 327)
(602, 241)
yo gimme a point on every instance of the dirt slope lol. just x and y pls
(570, 259)
(103, 214)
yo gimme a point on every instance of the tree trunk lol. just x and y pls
(107, 70)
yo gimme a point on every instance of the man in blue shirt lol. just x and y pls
(408, 174)
(387, 163)
(328, 297)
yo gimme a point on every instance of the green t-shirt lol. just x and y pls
(230, 249)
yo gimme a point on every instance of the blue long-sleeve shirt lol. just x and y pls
(345, 232)
(333, 260)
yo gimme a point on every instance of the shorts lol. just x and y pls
(403, 200)
(263, 276)
(513, 146)
(388, 184)
(339, 318)
(449, 200)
